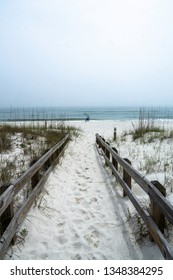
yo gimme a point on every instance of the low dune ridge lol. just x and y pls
(81, 214)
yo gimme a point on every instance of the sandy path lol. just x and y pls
(80, 216)
(86, 222)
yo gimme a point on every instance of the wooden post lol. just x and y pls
(7, 216)
(97, 141)
(103, 148)
(156, 213)
(114, 162)
(126, 177)
(107, 153)
(47, 164)
(35, 177)
(115, 134)
(58, 151)
(53, 157)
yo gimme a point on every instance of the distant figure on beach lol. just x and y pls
(87, 117)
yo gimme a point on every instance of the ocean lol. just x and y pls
(81, 113)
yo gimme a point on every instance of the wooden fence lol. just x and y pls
(160, 208)
(36, 176)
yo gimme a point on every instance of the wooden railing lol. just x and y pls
(160, 208)
(36, 176)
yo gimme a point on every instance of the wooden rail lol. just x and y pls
(160, 206)
(36, 176)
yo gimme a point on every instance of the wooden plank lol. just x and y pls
(107, 153)
(7, 214)
(7, 237)
(35, 177)
(158, 237)
(156, 213)
(18, 218)
(114, 162)
(28, 203)
(35, 167)
(126, 177)
(6, 198)
(149, 188)
(146, 185)
(20, 215)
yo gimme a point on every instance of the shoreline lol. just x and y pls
(15, 114)
(78, 119)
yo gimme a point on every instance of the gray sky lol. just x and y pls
(86, 52)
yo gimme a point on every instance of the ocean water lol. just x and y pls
(80, 113)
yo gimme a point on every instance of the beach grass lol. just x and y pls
(30, 140)
(148, 128)
(147, 123)
(147, 144)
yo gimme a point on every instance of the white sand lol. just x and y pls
(82, 214)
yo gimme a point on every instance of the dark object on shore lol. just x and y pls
(87, 117)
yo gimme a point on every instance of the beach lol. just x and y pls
(81, 213)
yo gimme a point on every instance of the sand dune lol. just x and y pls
(80, 214)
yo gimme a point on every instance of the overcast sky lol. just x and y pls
(86, 52)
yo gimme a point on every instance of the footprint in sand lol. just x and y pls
(77, 245)
(82, 189)
(61, 239)
(80, 214)
(60, 225)
(77, 221)
(93, 238)
(93, 200)
(76, 257)
(45, 244)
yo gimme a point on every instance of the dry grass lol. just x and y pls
(31, 141)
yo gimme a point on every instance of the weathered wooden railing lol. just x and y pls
(36, 176)
(160, 206)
